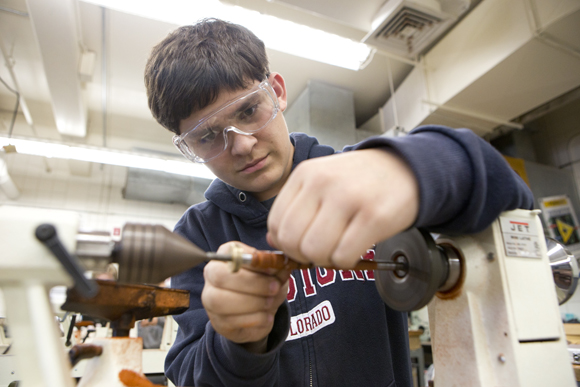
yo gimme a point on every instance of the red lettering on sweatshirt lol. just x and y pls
(291, 296)
(369, 256)
(349, 275)
(309, 289)
(325, 277)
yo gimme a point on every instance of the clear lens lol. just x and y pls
(248, 113)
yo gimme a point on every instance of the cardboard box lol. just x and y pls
(572, 333)
(415, 339)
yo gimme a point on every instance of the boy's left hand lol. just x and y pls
(332, 209)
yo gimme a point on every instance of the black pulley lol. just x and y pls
(427, 270)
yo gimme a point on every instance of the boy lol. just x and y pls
(210, 84)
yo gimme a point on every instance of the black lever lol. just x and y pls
(46, 233)
(71, 327)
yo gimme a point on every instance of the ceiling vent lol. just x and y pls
(407, 27)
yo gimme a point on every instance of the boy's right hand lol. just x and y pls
(241, 306)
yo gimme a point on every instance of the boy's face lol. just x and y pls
(259, 163)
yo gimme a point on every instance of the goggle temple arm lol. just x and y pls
(178, 142)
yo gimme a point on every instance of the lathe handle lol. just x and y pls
(46, 233)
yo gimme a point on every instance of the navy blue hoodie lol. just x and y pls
(334, 329)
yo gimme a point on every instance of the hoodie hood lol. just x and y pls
(243, 204)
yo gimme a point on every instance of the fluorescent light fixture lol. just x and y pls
(277, 34)
(106, 156)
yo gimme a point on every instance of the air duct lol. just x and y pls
(408, 27)
(55, 27)
(155, 186)
(326, 112)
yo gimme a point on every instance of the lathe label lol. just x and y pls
(308, 323)
(520, 238)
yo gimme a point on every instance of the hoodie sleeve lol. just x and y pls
(202, 357)
(464, 183)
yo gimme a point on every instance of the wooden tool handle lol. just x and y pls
(276, 260)
(263, 259)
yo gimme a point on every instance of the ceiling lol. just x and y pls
(489, 69)
(128, 41)
(118, 116)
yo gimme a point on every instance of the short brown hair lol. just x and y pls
(193, 64)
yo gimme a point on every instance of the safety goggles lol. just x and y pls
(245, 115)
